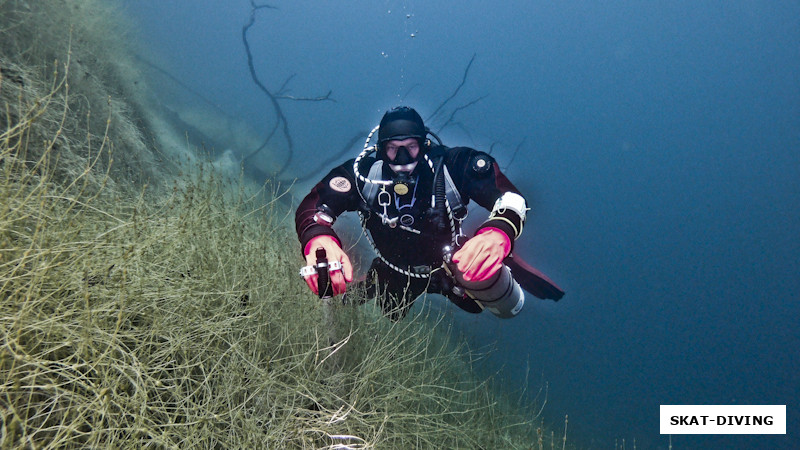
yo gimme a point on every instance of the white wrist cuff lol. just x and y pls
(512, 201)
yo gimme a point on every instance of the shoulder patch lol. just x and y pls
(481, 163)
(340, 184)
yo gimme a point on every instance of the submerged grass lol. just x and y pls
(178, 321)
(134, 317)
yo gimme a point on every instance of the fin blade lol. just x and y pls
(533, 280)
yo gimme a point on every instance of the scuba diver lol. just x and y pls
(412, 196)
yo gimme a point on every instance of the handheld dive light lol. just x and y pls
(500, 293)
(324, 287)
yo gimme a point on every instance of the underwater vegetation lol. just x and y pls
(147, 301)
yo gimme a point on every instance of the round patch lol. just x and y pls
(340, 184)
(401, 189)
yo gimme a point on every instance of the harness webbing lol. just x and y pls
(453, 202)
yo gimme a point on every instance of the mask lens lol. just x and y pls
(402, 156)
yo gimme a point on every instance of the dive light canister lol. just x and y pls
(500, 294)
(324, 287)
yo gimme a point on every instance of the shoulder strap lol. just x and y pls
(370, 190)
(453, 197)
(457, 206)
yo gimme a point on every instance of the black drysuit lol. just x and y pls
(414, 246)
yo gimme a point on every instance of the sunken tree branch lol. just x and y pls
(450, 121)
(455, 92)
(281, 123)
(440, 109)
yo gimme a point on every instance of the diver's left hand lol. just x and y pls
(483, 255)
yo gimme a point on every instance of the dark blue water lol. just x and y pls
(659, 149)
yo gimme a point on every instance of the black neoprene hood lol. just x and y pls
(401, 123)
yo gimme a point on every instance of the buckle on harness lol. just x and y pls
(459, 212)
(385, 199)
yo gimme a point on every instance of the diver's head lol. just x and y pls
(402, 155)
(401, 138)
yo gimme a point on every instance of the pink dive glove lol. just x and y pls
(483, 255)
(334, 252)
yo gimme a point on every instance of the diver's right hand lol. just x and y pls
(339, 278)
